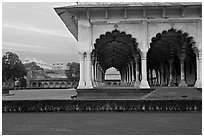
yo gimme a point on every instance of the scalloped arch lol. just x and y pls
(179, 31)
(115, 49)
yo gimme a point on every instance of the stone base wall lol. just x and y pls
(100, 105)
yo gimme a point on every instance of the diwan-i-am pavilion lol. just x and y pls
(150, 44)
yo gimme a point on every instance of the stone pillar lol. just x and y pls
(127, 75)
(133, 78)
(157, 77)
(82, 71)
(103, 76)
(144, 48)
(162, 75)
(137, 74)
(198, 83)
(171, 83)
(95, 70)
(182, 81)
(144, 82)
(89, 83)
(93, 73)
(124, 79)
(99, 75)
(130, 77)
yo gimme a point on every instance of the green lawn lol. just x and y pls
(102, 123)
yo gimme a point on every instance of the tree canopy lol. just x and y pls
(12, 67)
(72, 72)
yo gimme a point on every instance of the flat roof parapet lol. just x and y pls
(131, 4)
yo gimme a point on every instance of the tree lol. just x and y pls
(72, 72)
(12, 67)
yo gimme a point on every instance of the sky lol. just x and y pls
(34, 30)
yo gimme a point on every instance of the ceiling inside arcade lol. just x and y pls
(115, 49)
(169, 45)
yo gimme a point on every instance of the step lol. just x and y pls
(112, 93)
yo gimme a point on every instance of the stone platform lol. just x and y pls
(113, 93)
(154, 93)
(106, 99)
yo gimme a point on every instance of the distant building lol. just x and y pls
(112, 74)
(40, 63)
(51, 76)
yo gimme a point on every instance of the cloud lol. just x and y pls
(32, 29)
(29, 47)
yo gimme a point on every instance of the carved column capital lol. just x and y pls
(136, 56)
(182, 57)
(88, 56)
(81, 56)
(199, 54)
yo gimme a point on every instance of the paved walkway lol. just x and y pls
(40, 94)
(175, 93)
(102, 123)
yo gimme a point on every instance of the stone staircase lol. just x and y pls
(112, 92)
(128, 92)
(176, 93)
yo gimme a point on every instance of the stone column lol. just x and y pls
(89, 83)
(99, 75)
(182, 82)
(162, 75)
(171, 83)
(157, 77)
(124, 77)
(82, 71)
(121, 74)
(137, 74)
(144, 82)
(95, 70)
(130, 77)
(198, 83)
(103, 76)
(93, 73)
(143, 51)
(133, 78)
(126, 80)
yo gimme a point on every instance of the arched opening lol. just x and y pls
(51, 84)
(45, 85)
(171, 60)
(63, 85)
(112, 76)
(57, 84)
(34, 85)
(120, 51)
(39, 85)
